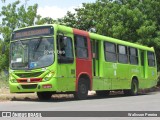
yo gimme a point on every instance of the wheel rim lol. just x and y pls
(135, 89)
(83, 88)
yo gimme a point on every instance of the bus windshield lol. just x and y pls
(32, 54)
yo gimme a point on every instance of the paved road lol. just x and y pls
(143, 102)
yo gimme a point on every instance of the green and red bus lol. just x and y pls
(52, 59)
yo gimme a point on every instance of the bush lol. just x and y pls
(158, 83)
(3, 79)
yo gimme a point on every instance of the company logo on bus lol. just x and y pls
(28, 80)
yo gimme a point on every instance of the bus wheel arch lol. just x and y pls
(87, 79)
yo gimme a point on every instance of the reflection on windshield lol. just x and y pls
(35, 53)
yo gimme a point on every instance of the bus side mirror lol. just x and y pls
(3, 49)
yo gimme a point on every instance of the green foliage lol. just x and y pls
(46, 20)
(3, 80)
(14, 15)
(4, 58)
(129, 20)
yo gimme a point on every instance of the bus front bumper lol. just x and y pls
(32, 87)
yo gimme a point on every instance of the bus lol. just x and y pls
(54, 59)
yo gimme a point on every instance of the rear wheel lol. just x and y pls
(103, 93)
(134, 88)
(82, 92)
(44, 95)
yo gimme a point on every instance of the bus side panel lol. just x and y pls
(122, 80)
(109, 74)
(152, 77)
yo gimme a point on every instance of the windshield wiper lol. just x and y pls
(38, 44)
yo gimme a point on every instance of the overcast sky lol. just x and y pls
(54, 8)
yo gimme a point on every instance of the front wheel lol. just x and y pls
(82, 92)
(44, 95)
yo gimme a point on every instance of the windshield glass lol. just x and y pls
(31, 54)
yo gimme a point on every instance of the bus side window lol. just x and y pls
(133, 56)
(65, 49)
(81, 47)
(151, 59)
(122, 54)
(110, 52)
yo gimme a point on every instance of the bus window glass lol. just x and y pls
(65, 49)
(122, 54)
(133, 56)
(110, 52)
(151, 59)
(81, 46)
(122, 49)
(32, 54)
(110, 47)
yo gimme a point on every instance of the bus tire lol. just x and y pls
(103, 93)
(82, 91)
(44, 95)
(134, 88)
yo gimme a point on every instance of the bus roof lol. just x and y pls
(95, 36)
(98, 37)
(121, 42)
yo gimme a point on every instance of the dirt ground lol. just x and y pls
(5, 95)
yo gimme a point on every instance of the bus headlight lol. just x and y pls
(46, 79)
(48, 76)
(12, 79)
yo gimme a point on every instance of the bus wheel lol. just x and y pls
(103, 93)
(82, 92)
(134, 88)
(44, 95)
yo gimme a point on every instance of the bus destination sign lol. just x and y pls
(32, 32)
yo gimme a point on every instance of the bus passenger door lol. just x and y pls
(98, 81)
(83, 56)
(66, 63)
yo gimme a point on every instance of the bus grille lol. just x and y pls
(33, 86)
(28, 75)
(29, 80)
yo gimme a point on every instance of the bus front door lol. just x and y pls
(66, 63)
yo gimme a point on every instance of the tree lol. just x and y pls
(136, 21)
(46, 20)
(3, 1)
(130, 20)
(14, 15)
